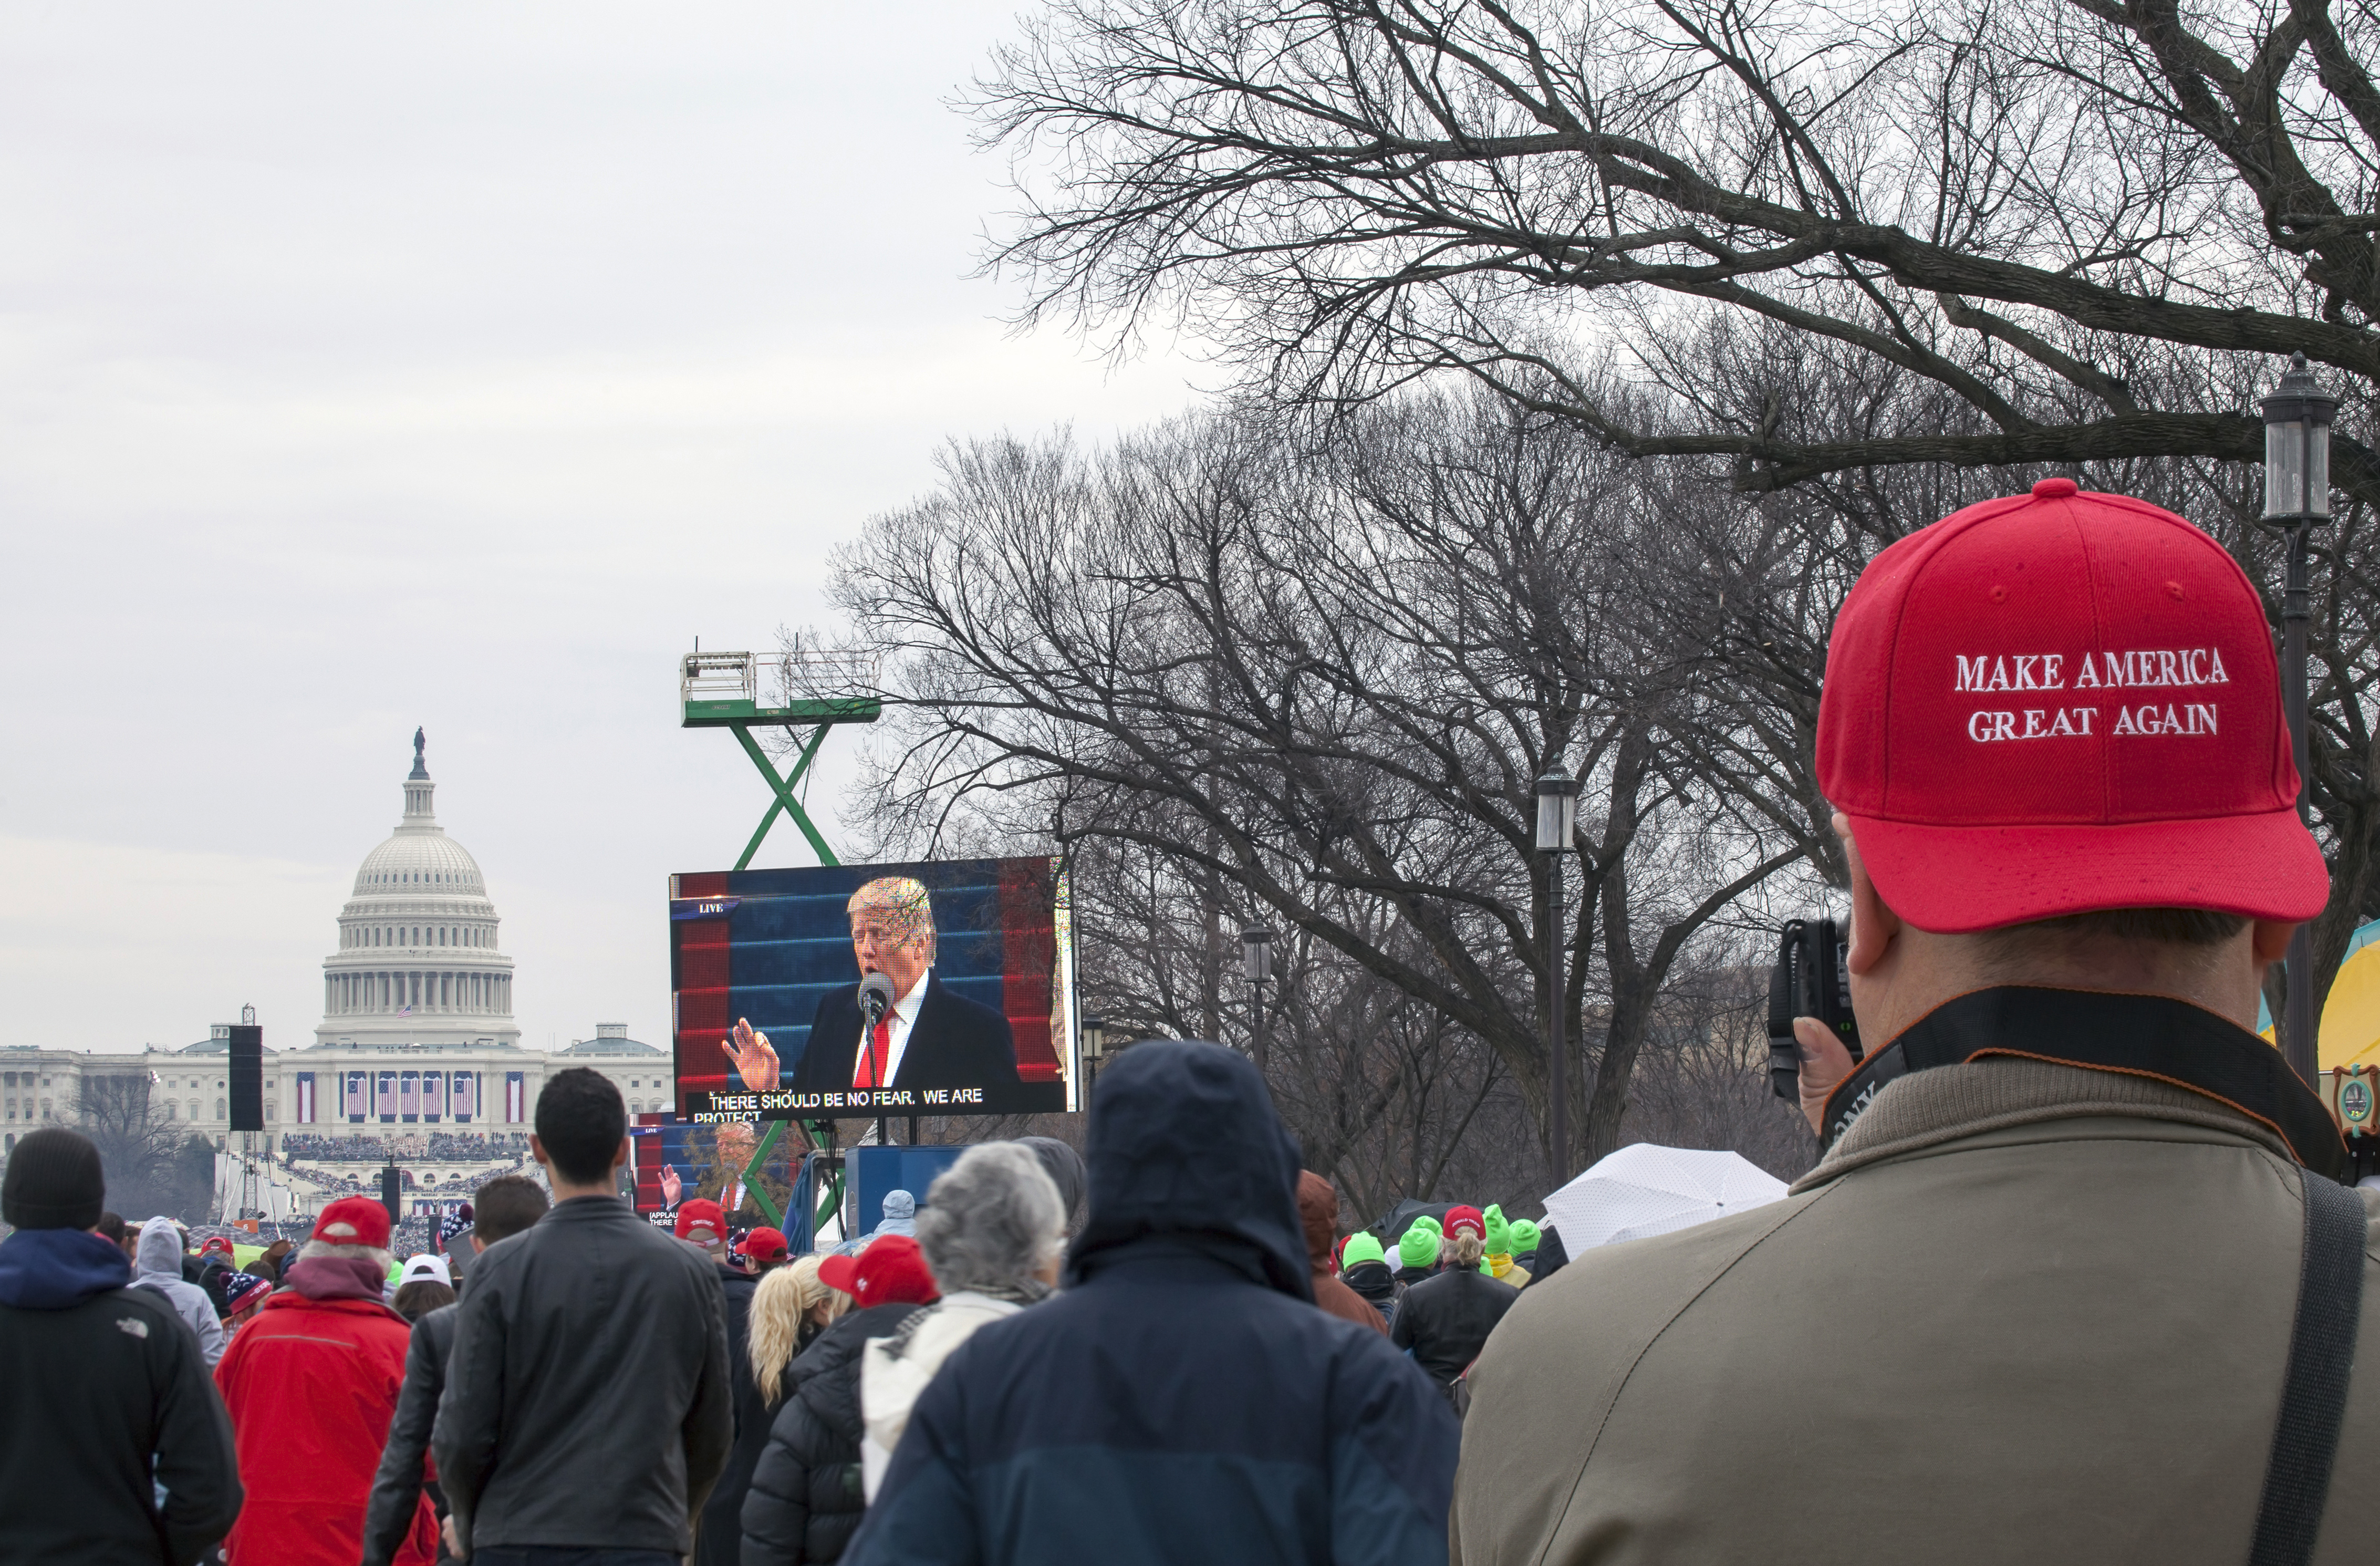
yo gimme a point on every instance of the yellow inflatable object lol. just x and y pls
(2350, 1018)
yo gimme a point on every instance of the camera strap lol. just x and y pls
(2314, 1387)
(2151, 1036)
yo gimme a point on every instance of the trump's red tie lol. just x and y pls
(880, 1044)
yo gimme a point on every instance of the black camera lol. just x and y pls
(1812, 979)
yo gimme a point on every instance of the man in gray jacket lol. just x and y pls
(2039, 1298)
(587, 1402)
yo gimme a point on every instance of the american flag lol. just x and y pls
(405, 1011)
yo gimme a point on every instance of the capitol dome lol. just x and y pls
(418, 964)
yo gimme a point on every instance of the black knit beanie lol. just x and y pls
(54, 1181)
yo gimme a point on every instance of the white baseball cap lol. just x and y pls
(426, 1266)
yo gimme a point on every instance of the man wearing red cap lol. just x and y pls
(2075, 1278)
(311, 1383)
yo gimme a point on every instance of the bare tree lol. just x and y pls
(1319, 685)
(1800, 245)
(150, 1165)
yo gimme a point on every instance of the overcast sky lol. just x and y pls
(457, 366)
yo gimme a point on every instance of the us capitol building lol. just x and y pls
(417, 1055)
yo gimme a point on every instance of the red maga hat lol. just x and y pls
(702, 1221)
(2060, 702)
(764, 1244)
(354, 1220)
(892, 1270)
(1465, 1218)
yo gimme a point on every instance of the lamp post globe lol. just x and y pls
(1256, 958)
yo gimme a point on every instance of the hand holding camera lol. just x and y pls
(1813, 1040)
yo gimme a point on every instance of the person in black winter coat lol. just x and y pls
(807, 1497)
(114, 1445)
(506, 1204)
(1445, 1320)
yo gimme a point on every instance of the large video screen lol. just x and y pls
(971, 962)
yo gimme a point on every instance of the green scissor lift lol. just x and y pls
(720, 690)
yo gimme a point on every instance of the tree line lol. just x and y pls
(1582, 356)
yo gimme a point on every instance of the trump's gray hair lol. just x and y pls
(991, 1222)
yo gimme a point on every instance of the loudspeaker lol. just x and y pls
(247, 1077)
(391, 1197)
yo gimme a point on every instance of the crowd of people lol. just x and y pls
(2076, 1277)
(445, 1147)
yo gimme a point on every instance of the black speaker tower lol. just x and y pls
(247, 1077)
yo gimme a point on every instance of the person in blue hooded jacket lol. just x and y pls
(1182, 1400)
(114, 1445)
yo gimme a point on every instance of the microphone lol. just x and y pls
(875, 998)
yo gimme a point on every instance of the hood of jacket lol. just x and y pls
(1318, 1210)
(336, 1278)
(52, 1268)
(1372, 1280)
(1185, 1145)
(160, 1256)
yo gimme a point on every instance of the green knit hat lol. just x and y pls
(1424, 1221)
(1499, 1233)
(1418, 1248)
(1524, 1237)
(1362, 1246)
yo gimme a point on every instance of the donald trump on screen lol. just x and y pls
(928, 1038)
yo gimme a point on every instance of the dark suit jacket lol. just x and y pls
(956, 1042)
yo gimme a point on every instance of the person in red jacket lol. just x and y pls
(311, 1384)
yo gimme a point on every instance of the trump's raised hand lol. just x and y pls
(755, 1062)
(671, 1185)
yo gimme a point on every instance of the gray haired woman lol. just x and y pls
(991, 1231)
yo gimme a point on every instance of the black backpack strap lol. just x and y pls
(2322, 1357)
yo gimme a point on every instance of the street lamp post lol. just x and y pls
(1095, 1049)
(2297, 497)
(1256, 952)
(1557, 828)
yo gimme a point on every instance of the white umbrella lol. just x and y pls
(1642, 1190)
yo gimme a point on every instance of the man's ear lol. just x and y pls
(1873, 926)
(620, 1154)
(2269, 940)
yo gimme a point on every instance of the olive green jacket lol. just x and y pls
(2022, 1312)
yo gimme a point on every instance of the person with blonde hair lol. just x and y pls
(788, 1313)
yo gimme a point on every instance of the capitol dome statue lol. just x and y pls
(418, 964)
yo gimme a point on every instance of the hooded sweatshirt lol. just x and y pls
(159, 1267)
(1181, 1400)
(900, 1215)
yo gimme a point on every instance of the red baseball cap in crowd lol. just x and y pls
(701, 1222)
(1465, 1218)
(215, 1244)
(764, 1244)
(354, 1220)
(892, 1270)
(2059, 702)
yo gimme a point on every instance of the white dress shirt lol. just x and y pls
(902, 1017)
